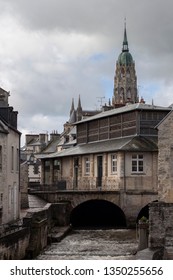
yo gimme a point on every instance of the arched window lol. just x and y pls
(129, 93)
(128, 73)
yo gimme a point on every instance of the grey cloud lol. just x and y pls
(45, 75)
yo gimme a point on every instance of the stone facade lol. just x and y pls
(130, 202)
(161, 227)
(13, 246)
(122, 179)
(24, 185)
(161, 213)
(165, 159)
(9, 161)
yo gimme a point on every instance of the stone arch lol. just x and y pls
(129, 93)
(128, 73)
(83, 197)
(144, 211)
(97, 213)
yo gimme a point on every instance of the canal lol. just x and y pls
(96, 244)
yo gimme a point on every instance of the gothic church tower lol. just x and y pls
(125, 80)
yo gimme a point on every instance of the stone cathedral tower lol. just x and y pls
(125, 80)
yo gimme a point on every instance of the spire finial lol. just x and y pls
(125, 42)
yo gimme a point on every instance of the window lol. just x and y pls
(56, 164)
(36, 169)
(17, 160)
(47, 164)
(12, 158)
(87, 166)
(113, 163)
(137, 163)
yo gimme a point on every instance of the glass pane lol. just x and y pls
(134, 165)
(140, 156)
(134, 156)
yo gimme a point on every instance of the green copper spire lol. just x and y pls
(125, 58)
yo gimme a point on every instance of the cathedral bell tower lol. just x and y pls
(125, 80)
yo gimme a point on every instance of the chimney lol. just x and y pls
(54, 135)
(43, 138)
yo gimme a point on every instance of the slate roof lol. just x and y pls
(124, 109)
(133, 143)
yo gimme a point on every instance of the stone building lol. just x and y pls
(115, 150)
(34, 144)
(9, 161)
(161, 213)
(165, 158)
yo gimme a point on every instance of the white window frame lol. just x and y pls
(87, 166)
(114, 164)
(137, 163)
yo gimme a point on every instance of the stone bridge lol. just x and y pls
(128, 206)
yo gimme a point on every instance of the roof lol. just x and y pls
(4, 127)
(162, 121)
(125, 58)
(124, 109)
(132, 143)
(52, 146)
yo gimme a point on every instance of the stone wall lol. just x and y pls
(131, 203)
(13, 246)
(165, 159)
(24, 185)
(29, 240)
(161, 226)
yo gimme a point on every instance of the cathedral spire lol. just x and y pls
(72, 106)
(125, 42)
(79, 110)
(79, 104)
(125, 79)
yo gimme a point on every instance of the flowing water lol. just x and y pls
(108, 244)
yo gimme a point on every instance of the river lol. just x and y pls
(108, 244)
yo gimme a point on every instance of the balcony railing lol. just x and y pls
(59, 186)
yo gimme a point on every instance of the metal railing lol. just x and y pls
(59, 186)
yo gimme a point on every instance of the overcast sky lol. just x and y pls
(54, 50)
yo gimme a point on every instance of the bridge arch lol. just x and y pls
(97, 213)
(144, 212)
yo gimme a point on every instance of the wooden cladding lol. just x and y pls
(107, 128)
(124, 124)
(149, 120)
